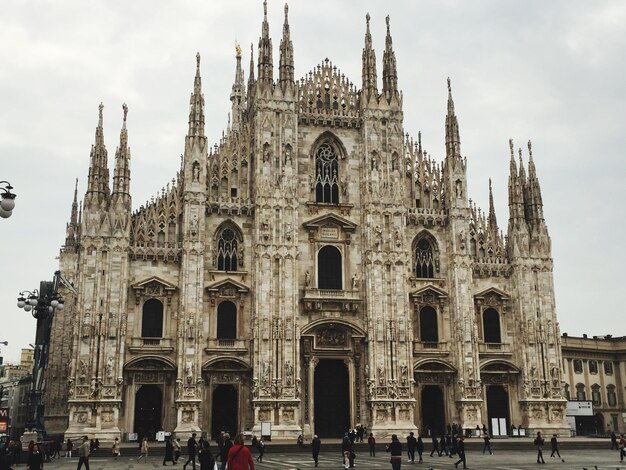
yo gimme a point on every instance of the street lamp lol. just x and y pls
(41, 303)
(8, 200)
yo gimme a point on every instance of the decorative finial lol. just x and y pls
(511, 148)
(286, 11)
(367, 19)
(449, 86)
(489, 184)
(198, 59)
(530, 150)
(125, 108)
(238, 49)
(265, 9)
(387, 21)
(519, 151)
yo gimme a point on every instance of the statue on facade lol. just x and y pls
(355, 281)
(307, 279)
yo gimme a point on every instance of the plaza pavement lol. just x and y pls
(500, 460)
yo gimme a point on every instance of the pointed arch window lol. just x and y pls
(227, 245)
(424, 263)
(152, 319)
(428, 325)
(491, 326)
(329, 265)
(326, 174)
(226, 320)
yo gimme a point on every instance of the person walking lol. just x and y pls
(613, 440)
(411, 443)
(143, 450)
(371, 442)
(69, 446)
(316, 444)
(261, 447)
(395, 449)
(443, 448)
(226, 446)
(420, 448)
(487, 446)
(169, 452)
(205, 457)
(460, 450)
(239, 457)
(539, 442)
(435, 445)
(622, 447)
(83, 454)
(191, 451)
(115, 449)
(176, 445)
(345, 450)
(35, 458)
(555, 447)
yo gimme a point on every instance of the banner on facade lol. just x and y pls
(579, 408)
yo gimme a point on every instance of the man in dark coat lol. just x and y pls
(315, 448)
(191, 451)
(411, 443)
(460, 449)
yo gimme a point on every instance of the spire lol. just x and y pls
(453, 141)
(237, 95)
(196, 105)
(121, 175)
(72, 227)
(251, 80)
(369, 66)
(266, 64)
(492, 221)
(535, 203)
(390, 73)
(98, 180)
(286, 54)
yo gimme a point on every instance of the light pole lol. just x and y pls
(8, 200)
(41, 304)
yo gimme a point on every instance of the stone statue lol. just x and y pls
(307, 279)
(355, 281)
(189, 370)
(109, 368)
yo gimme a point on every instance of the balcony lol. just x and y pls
(226, 345)
(331, 300)
(494, 349)
(151, 345)
(430, 348)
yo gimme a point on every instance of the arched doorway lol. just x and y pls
(331, 395)
(224, 416)
(148, 411)
(433, 410)
(498, 409)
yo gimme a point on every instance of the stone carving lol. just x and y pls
(109, 368)
(330, 337)
(355, 281)
(288, 373)
(189, 371)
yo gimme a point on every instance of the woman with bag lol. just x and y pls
(239, 457)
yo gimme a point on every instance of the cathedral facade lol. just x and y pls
(314, 269)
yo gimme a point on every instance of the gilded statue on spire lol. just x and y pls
(238, 49)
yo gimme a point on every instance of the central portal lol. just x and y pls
(148, 408)
(433, 411)
(224, 411)
(331, 398)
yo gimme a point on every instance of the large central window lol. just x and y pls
(326, 175)
(227, 250)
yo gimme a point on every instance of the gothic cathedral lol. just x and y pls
(314, 269)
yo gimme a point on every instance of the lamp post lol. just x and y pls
(7, 202)
(41, 304)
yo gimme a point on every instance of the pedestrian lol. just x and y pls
(435, 445)
(420, 448)
(205, 456)
(449, 444)
(622, 447)
(487, 446)
(191, 451)
(351, 456)
(395, 449)
(460, 450)
(443, 449)
(226, 446)
(411, 443)
(143, 450)
(371, 442)
(169, 451)
(69, 446)
(613, 440)
(316, 444)
(555, 447)
(83, 454)
(300, 441)
(261, 447)
(539, 445)
(239, 457)
(176, 444)
(115, 450)
(35, 458)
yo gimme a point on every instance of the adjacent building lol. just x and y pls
(314, 269)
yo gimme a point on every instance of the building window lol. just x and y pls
(227, 253)
(428, 325)
(593, 367)
(578, 366)
(424, 266)
(329, 268)
(608, 367)
(595, 395)
(326, 175)
(580, 392)
(491, 326)
(610, 395)
(152, 319)
(226, 320)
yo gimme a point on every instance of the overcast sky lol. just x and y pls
(551, 71)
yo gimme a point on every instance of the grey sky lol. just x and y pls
(552, 72)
